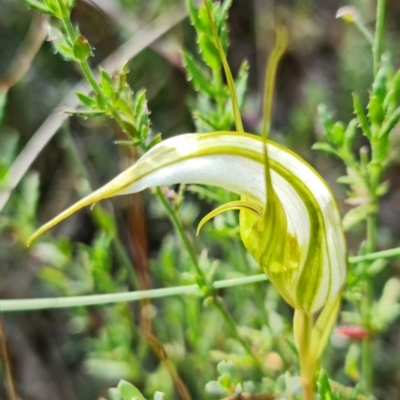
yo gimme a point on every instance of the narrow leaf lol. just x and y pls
(375, 111)
(390, 124)
(325, 148)
(86, 100)
(356, 216)
(241, 83)
(38, 6)
(129, 392)
(198, 77)
(362, 119)
(107, 84)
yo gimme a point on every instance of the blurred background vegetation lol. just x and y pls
(80, 353)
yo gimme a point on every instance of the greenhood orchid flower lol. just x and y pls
(291, 226)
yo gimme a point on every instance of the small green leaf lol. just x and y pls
(241, 83)
(220, 15)
(209, 52)
(216, 389)
(379, 87)
(156, 140)
(390, 124)
(142, 115)
(197, 76)
(82, 49)
(388, 307)
(86, 100)
(374, 169)
(124, 105)
(30, 194)
(326, 119)
(325, 148)
(84, 114)
(350, 134)
(324, 387)
(60, 45)
(38, 6)
(114, 394)
(357, 215)
(346, 180)
(129, 128)
(194, 15)
(393, 93)
(107, 84)
(104, 220)
(352, 362)
(375, 111)
(377, 266)
(225, 380)
(361, 117)
(382, 189)
(129, 392)
(227, 368)
(70, 4)
(337, 134)
(54, 6)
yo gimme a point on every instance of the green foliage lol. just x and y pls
(364, 174)
(212, 109)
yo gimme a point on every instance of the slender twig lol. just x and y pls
(364, 31)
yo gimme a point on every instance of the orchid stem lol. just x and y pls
(302, 329)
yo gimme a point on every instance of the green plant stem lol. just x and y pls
(90, 78)
(365, 31)
(111, 298)
(367, 354)
(65, 17)
(101, 299)
(302, 329)
(207, 289)
(379, 34)
(375, 256)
